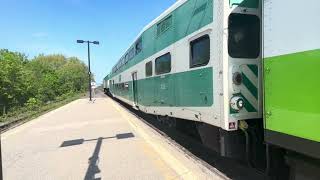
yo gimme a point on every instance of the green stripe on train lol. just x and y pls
(186, 89)
(188, 18)
(250, 103)
(292, 94)
(254, 69)
(249, 85)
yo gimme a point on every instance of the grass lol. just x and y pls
(25, 114)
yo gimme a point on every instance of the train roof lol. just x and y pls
(163, 15)
(152, 23)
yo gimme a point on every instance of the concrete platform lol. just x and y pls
(85, 140)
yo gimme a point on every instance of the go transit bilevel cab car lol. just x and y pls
(243, 72)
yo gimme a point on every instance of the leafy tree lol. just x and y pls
(14, 79)
(43, 79)
(73, 75)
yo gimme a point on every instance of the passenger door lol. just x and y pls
(135, 88)
(163, 68)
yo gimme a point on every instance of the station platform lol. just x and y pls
(89, 140)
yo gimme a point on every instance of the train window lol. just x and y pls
(131, 54)
(123, 61)
(119, 78)
(149, 69)
(139, 46)
(200, 51)
(244, 36)
(164, 25)
(163, 64)
(126, 57)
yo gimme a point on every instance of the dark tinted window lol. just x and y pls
(131, 54)
(149, 69)
(163, 64)
(126, 57)
(244, 36)
(139, 46)
(200, 51)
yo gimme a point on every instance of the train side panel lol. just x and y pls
(291, 71)
(183, 92)
(291, 84)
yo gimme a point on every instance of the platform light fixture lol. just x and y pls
(89, 73)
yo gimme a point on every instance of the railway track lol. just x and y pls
(192, 146)
(12, 124)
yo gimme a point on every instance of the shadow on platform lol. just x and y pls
(93, 168)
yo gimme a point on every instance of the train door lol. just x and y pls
(135, 88)
(163, 68)
(164, 90)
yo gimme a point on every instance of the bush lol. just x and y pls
(32, 104)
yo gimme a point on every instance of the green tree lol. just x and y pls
(40, 80)
(73, 75)
(14, 78)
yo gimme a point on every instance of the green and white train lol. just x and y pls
(243, 71)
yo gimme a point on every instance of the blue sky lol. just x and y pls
(53, 26)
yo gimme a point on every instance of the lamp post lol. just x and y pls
(89, 42)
